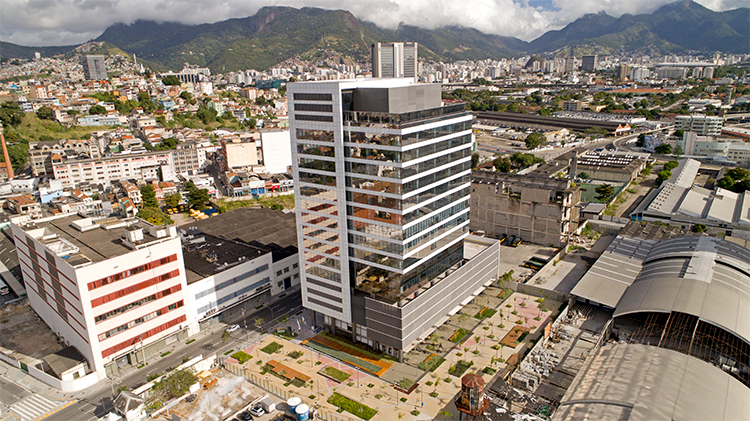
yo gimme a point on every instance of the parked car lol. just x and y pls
(257, 411)
(516, 241)
(508, 240)
(503, 237)
(233, 328)
(245, 416)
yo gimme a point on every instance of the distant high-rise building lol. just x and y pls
(570, 64)
(708, 72)
(94, 68)
(588, 63)
(623, 72)
(398, 59)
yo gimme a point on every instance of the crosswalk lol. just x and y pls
(36, 407)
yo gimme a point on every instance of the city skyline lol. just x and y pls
(40, 23)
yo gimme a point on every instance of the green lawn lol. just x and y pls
(241, 356)
(336, 374)
(272, 348)
(459, 335)
(351, 406)
(460, 368)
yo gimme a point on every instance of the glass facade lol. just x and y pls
(399, 182)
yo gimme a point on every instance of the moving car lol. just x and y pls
(233, 328)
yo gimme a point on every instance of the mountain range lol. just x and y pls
(275, 34)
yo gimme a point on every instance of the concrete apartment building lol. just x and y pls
(94, 67)
(540, 210)
(189, 157)
(394, 60)
(114, 289)
(41, 153)
(141, 166)
(382, 198)
(701, 124)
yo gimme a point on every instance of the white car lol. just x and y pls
(233, 328)
(257, 411)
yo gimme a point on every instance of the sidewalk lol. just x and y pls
(23, 379)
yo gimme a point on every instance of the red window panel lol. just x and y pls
(132, 271)
(130, 342)
(135, 288)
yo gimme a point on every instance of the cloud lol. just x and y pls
(63, 22)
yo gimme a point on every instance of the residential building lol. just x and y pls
(394, 60)
(142, 166)
(588, 63)
(570, 64)
(701, 124)
(572, 105)
(276, 150)
(540, 210)
(41, 152)
(382, 174)
(112, 288)
(94, 67)
(240, 152)
(25, 204)
(190, 156)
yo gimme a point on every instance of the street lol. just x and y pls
(99, 400)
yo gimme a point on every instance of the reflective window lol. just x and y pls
(372, 153)
(379, 186)
(374, 200)
(323, 273)
(309, 149)
(382, 139)
(374, 215)
(325, 194)
(326, 180)
(322, 260)
(319, 135)
(316, 164)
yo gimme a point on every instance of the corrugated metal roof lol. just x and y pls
(703, 276)
(640, 382)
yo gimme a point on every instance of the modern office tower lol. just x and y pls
(398, 59)
(94, 68)
(588, 63)
(382, 174)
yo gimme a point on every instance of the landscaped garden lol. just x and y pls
(351, 406)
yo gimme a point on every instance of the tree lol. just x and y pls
(197, 198)
(699, 228)
(187, 97)
(155, 216)
(663, 149)
(44, 113)
(641, 140)
(661, 177)
(604, 192)
(502, 164)
(474, 160)
(726, 182)
(678, 133)
(669, 166)
(584, 175)
(172, 200)
(678, 150)
(11, 114)
(148, 197)
(738, 174)
(258, 322)
(97, 109)
(171, 80)
(534, 140)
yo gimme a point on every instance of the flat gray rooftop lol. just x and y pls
(206, 255)
(264, 228)
(94, 245)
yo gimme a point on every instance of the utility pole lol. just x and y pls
(143, 350)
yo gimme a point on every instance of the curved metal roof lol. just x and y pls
(641, 382)
(703, 276)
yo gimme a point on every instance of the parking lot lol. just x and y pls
(513, 258)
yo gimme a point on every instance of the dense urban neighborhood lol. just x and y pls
(395, 235)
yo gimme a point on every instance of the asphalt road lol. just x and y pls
(99, 402)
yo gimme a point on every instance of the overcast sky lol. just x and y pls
(64, 22)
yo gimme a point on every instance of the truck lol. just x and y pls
(268, 404)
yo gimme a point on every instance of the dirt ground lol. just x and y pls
(23, 332)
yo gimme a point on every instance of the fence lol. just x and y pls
(63, 385)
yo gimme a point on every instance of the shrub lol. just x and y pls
(242, 356)
(489, 370)
(403, 399)
(272, 348)
(336, 374)
(434, 394)
(460, 368)
(295, 354)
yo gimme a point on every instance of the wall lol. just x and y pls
(277, 151)
(65, 386)
(400, 326)
(286, 263)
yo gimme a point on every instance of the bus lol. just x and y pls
(4, 290)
